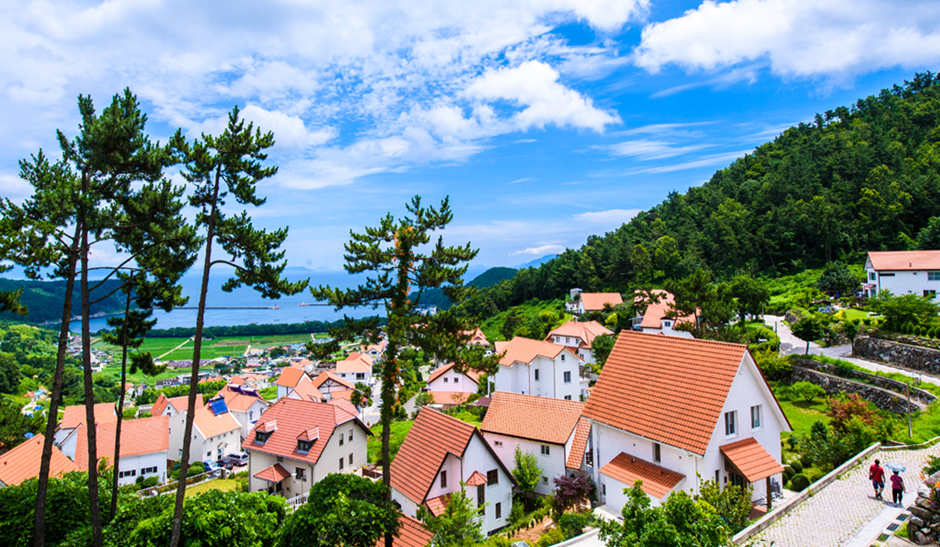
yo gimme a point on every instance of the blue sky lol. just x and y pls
(545, 121)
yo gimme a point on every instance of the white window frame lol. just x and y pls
(731, 423)
(758, 423)
(546, 450)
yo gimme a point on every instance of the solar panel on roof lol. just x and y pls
(218, 406)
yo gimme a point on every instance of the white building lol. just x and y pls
(440, 453)
(325, 387)
(357, 367)
(171, 406)
(144, 447)
(656, 319)
(903, 272)
(551, 429)
(579, 336)
(588, 302)
(297, 443)
(245, 405)
(666, 410)
(449, 387)
(216, 433)
(74, 416)
(293, 377)
(536, 367)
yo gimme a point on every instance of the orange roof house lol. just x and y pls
(903, 272)
(554, 427)
(171, 406)
(537, 367)
(477, 338)
(665, 405)
(656, 317)
(73, 416)
(595, 301)
(144, 447)
(22, 462)
(357, 367)
(451, 388)
(580, 336)
(899, 261)
(438, 454)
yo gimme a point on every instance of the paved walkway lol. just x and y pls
(845, 513)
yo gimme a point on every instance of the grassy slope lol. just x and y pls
(530, 310)
(399, 431)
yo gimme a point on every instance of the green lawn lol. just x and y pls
(227, 485)
(399, 432)
(851, 314)
(802, 415)
(228, 346)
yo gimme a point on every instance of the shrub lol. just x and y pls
(806, 460)
(573, 524)
(788, 473)
(772, 364)
(807, 391)
(799, 483)
(797, 467)
(517, 513)
(933, 465)
(813, 474)
(551, 537)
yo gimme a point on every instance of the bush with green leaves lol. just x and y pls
(807, 391)
(933, 465)
(797, 467)
(551, 537)
(195, 468)
(732, 503)
(573, 524)
(66, 509)
(774, 366)
(799, 483)
(457, 526)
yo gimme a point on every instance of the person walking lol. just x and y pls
(876, 474)
(897, 488)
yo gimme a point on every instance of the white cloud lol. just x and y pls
(534, 85)
(541, 250)
(614, 217)
(805, 38)
(289, 131)
(648, 149)
(14, 188)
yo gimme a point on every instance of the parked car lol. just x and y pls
(225, 462)
(211, 466)
(239, 458)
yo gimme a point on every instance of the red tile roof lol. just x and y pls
(657, 481)
(180, 403)
(344, 404)
(431, 438)
(238, 401)
(531, 417)
(294, 417)
(751, 459)
(524, 350)
(665, 388)
(579, 444)
(437, 505)
(476, 479)
(587, 331)
(355, 362)
(140, 436)
(22, 462)
(472, 374)
(74, 415)
(594, 301)
(273, 473)
(290, 377)
(904, 260)
(327, 375)
(411, 533)
(655, 312)
(450, 397)
(477, 338)
(211, 425)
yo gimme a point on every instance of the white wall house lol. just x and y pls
(245, 405)
(357, 367)
(215, 435)
(552, 430)
(291, 378)
(666, 410)
(578, 336)
(656, 320)
(74, 416)
(144, 444)
(171, 406)
(297, 443)
(903, 272)
(438, 454)
(449, 387)
(536, 367)
(588, 302)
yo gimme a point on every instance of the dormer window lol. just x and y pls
(304, 446)
(262, 437)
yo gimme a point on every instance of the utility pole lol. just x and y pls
(910, 431)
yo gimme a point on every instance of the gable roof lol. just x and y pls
(470, 373)
(180, 403)
(524, 350)
(290, 377)
(904, 260)
(323, 377)
(579, 444)
(751, 459)
(432, 437)
(657, 481)
(531, 417)
(238, 400)
(293, 417)
(587, 331)
(665, 388)
(450, 397)
(22, 462)
(477, 337)
(594, 301)
(73, 416)
(655, 312)
(140, 436)
(211, 425)
(355, 362)
(411, 533)
(346, 405)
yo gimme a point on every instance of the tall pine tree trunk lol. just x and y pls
(120, 414)
(194, 378)
(39, 519)
(94, 508)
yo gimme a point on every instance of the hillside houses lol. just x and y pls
(585, 302)
(450, 387)
(579, 336)
(667, 410)
(144, 447)
(903, 272)
(171, 406)
(244, 404)
(216, 433)
(357, 367)
(537, 367)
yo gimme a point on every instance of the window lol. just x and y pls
(731, 423)
(667, 324)
(350, 458)
(603, 489)
(933, 276)
(492, 477)
(304, 446)
(261, 437)
(567, 376)
(498, 443)
(350, 435)
(280, 459)
(341, 463)
(718, 476)
(872, 276)
(567, 340)
(887, 275)
(445, 378)
(930, 292)
(251, 414)
(341, 439)
(536, 375)
(209, 455)
(360, 376)
(499, 510)
(131, 473)
(562, 356)
(443, 479)
(657, 453)
(546, 450)
(755, 417)
(148, 470)
(481, 497)
(300, 474)
(567, 397)
(544, 480)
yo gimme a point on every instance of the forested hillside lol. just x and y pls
(44, 299)
(492, 276)
(859, 178)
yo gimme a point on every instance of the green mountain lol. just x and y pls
(45, 298)
(858, 178)
(492, 276)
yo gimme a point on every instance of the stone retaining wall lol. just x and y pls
(882, 398)
(880, 381)
(897, 354)
(924, 525)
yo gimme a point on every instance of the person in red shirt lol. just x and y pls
(897, 488)
(876, 474)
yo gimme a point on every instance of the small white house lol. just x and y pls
(579, 336)
(357, 367)
(551, 429)
(536, 367)
(656, 319)
(22, 463)
(449, 387)
(441, 452)
(245, 405)
(144, 447)
(903, 272)
(171, 406)
(74, 416)
(292, 377)
(588, 302)
(216, 433)
(669, 410)
(299, 442)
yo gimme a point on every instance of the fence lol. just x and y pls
(171, 486)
